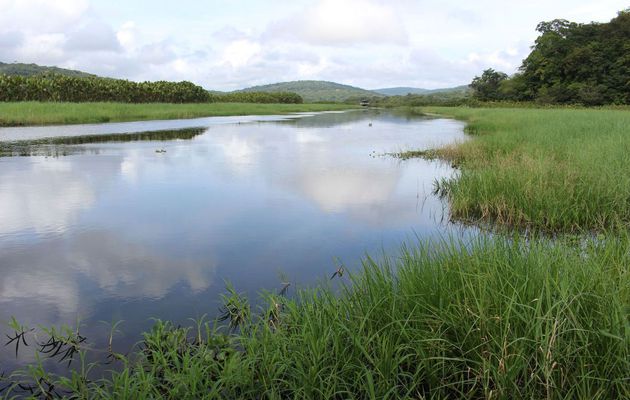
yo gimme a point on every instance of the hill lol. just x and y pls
(312, 91)
(402, 91)
(20, 69)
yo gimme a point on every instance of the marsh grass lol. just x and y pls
(492, 319)
(548, 169)
(66, 145)
(43, 113)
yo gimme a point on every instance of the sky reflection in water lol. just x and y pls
(116, 231)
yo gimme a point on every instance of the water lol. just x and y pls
(117, 231)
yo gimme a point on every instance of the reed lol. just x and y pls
(493, 318)
(42, 113)
(546, 169)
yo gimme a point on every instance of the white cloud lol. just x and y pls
(349, 22)
(59, 196)
(240, 52)
(370, 43)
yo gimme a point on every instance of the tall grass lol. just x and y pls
(549, 169)
(36, 113)
(492, 319)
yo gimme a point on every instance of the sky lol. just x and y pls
(233, 44)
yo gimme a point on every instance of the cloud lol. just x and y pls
(55, 196)
(52, 271)
(369, 43)
(92, 35)
(240, 52)
(349, 22)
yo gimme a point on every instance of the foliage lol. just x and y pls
(441, 98)
(486, 87)
(60, 88)
(258, 97)
(38, 113)
(548, 169)
(571, 63)
(493, 318)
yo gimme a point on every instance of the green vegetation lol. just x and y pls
(403, 91)
(257, 97)
(78, 89)
(547, 169)
(62, 146)
(570, 63)
(496, 318)
(36, 113)
(440, 98)
(21, 69)
(316, 91)
(60, 88)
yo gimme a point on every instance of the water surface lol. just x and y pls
(113, 230)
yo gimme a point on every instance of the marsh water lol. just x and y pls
(128, 227)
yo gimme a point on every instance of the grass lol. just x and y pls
(36, 113)
(499, 317)
(493, 319)
(557, 170)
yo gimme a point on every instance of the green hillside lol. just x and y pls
(312, 91)
(21, 69)
(402, 91)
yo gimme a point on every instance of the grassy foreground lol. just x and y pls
(546, 169)
(41, 113)
(495, 319)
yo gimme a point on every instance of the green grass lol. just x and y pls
(499, 317)
(546, 169)
(496, 319)
(36, 113)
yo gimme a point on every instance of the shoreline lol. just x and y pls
(32, 114)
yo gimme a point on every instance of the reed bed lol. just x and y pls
(490, 319)
(43, 113)
(557, 170)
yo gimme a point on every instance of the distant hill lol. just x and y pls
(34, 69)
(402, 91)
(312, 91)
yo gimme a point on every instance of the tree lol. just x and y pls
(486, 87)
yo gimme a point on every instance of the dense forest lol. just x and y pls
(570, 63)
(64, 88)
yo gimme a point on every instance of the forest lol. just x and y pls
(570, 63)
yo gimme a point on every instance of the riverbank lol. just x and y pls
(494, 317)
(41, 113)
(556, 170)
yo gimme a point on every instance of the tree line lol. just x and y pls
(61, 88)
(570, 63)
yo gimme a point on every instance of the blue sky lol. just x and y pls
(231, 44)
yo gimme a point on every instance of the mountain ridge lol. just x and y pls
(315, 90)
(404, 90)
(24, 69)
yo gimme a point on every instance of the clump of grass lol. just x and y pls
(429, 154)
(547, 169)
(492, 319)
(42, 113)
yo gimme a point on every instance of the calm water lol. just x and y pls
(115, 231)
